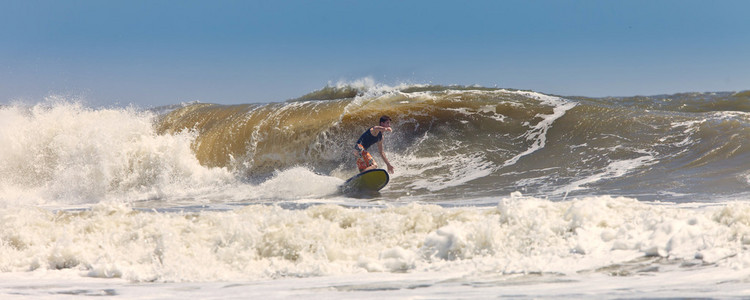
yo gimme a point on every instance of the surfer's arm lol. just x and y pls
(378, 129)
(382, 154)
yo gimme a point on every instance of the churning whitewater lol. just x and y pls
(494, 187)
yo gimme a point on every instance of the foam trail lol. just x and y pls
(538, 133)
(615, 169)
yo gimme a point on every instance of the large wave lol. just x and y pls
(460, 140)
(449, 142)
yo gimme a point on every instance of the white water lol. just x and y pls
(522, 240)
(59, 153)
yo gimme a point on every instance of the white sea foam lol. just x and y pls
(521, 235)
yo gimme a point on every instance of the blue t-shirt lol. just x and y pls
(366, 140)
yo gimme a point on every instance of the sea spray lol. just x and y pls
(62, 152)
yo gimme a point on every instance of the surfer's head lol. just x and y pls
(385, 121)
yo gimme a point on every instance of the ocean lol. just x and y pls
(497, 193)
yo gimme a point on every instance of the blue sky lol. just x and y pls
(154, 53)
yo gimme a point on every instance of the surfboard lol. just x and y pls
(366, 182)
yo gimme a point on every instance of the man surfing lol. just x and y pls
(371, 136)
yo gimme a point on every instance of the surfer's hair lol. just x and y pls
(385, 119)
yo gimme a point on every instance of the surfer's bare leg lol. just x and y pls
(373, 167)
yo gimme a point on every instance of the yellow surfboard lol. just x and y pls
(366, 182)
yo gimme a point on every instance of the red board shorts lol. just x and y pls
(365, 159)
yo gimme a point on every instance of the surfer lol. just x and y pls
(371, 136)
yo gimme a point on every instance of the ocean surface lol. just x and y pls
(496, 193)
